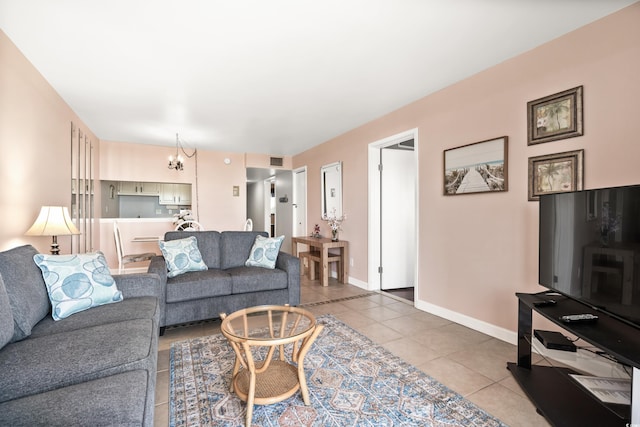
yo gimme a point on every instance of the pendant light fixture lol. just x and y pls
(176, 162)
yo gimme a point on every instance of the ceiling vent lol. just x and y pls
(276, 161)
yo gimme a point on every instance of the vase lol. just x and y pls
(334, 235)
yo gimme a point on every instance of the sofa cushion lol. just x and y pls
(116, 400)
(49, 362)
(25, 288)
(197, 285)
(181, 256)
(235, 247)
(6, 318)
(264, 252)
(77, 282)
(208, 244)
(255, 279)
(128, 309)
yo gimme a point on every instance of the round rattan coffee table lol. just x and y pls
(270, 343)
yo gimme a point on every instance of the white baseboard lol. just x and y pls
(359, 283)
(584, 361)
(470, 322)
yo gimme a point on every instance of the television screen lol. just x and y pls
(590, 248)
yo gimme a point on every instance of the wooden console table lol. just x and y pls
(323, 244)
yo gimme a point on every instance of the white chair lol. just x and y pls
(248, 225)
(189, 225)
(127, 259)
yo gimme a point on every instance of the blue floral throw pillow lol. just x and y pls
(77, 282)
(182, 255)
(264, 252)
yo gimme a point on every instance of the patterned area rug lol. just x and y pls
(352, 382)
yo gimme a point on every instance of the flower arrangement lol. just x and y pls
(334, 222)
(181, 217)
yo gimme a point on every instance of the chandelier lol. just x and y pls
(177, 162)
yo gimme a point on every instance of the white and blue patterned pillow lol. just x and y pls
(77, 282)
(264, 252)
(182, 255)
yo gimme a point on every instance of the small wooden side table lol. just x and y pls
(322, 245)
(270, 380)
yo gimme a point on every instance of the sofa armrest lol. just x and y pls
(143, 285)
(291, 265)
(158, 266)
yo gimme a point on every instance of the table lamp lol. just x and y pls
(53, 221)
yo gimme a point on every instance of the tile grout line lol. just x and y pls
(313, 304)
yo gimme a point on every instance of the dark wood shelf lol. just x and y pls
(557, 397)
(562, 401)
(617, 338)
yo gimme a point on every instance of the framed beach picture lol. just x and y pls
(554, 117)
(476, 168)
(555, 173)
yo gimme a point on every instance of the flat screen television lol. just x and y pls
(589, 243)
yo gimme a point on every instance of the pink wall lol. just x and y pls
(35, 127)
(476, 251)
(219, 208)
(213, 202)
(255, 160)
(122, 161)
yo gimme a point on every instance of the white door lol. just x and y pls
(397, 218)
(269, 206)
(300, 202)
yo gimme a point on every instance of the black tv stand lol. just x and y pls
(557, 397)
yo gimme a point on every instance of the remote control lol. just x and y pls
(579, 318)
(544, 302)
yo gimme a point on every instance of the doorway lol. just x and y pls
(393, 215)
(300, 202)
(260, 198)
(269, 203)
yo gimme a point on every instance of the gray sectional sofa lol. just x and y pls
(227, 285)
(96, 367)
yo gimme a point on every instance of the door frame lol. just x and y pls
(374, 206)
(296, 212)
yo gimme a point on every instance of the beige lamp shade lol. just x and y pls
(53, 221)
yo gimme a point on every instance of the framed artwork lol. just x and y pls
(476, 168)
(555, 173)
(554, 117)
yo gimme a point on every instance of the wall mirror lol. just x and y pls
(331, 189)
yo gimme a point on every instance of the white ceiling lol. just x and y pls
(269, 76)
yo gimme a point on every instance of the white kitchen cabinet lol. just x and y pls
(149, 188)
(135, 188)
(127, 188)
(175, 194)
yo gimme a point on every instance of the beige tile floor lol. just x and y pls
(469, 362)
